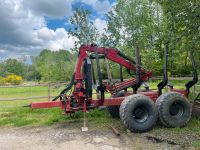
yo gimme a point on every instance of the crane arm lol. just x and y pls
(111, 54)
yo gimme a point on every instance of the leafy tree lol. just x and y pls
(151, 24)
(133, 24)
(182, 31)
(82, 28)
(32, 73)
(12, 66)
(54, 65)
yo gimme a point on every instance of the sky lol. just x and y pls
(29, 26)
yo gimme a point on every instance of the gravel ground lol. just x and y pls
(70, 137)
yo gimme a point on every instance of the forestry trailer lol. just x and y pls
(137, 109)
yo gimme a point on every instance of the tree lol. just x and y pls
(132, 24)
(32, 73)
(82, 28)
(182, 21)
(150, 25)
(12, 66)
(54, 65)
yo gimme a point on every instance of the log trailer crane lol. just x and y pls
(138, 110)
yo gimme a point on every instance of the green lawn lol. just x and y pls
(13, 115)
(25, 92)
(17, 116)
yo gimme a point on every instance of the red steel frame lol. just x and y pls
(107, 102)
(79, 88)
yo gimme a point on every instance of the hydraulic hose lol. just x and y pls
(68, 87)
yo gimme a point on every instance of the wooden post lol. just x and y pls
(49, 92)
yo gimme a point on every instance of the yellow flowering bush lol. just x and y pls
(2, 81)
(11, 79)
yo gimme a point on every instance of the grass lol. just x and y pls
(19, 117)
(13, 115)
(177, 84)
(188, 136)
(23, 92)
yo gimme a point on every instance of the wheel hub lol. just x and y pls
(176, 109)
(140, 114)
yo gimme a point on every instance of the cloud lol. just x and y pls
(57, 39)
(24, 31)
(16, 19)
(50, 8)
(100, 25)
(101, 7)
(43, 38)
(89, 2)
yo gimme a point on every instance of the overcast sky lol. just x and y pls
(29, 26)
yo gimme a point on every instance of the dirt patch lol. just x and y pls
(70, 137)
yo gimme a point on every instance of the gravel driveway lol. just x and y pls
(69, 137)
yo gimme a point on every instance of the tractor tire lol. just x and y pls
(114, 110)
(174, 109)
(160, 120)
(138, 113)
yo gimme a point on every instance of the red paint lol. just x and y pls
(49, 104)
(151, 94)
(183, 92)
(111, 54)
(79, 91)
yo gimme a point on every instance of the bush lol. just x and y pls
(2, 81)
(13, 79)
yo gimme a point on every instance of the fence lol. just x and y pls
(50, 90)
(29, 92)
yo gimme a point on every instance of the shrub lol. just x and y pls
(13, 79)
(2, 81)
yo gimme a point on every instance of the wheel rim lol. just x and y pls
(140, 114)
(176, 109)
